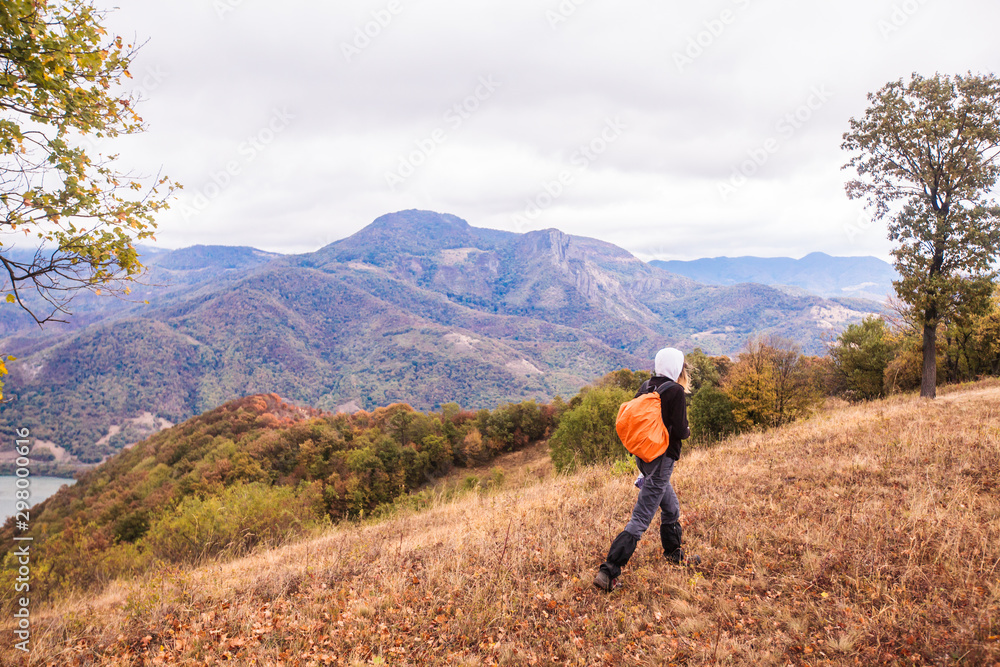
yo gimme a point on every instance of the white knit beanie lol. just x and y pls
(669, 362)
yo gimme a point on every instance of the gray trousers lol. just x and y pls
(656, 492)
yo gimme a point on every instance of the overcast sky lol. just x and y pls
(675, 130)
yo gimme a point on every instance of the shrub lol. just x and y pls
(514, 426)
(43, 454)
(862, 354)
(586, 432)
(496, 478)
(472, 450)
(711, 414)
(231, 523)
(132, 526)
(625, 466)
(624, 378)
(438, 452)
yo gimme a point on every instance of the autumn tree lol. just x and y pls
(769, 385)
(965, 353)
(77, 214)
(751, 387)
(926, 154)
(987, 335)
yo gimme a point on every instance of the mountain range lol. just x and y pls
(816, 273)
(417, 307)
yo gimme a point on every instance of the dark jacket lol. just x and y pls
(673, 410)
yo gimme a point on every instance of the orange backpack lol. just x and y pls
(640, 426)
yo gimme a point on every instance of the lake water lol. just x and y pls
(41, 488)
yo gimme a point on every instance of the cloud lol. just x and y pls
(369, 84)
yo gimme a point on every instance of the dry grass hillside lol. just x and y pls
(867, 535)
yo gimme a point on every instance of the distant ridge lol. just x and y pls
(220, 257)
(817, 273)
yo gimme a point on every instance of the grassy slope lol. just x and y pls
(868, 534)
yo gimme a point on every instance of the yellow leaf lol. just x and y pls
(10, 298)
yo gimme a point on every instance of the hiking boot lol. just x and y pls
(671, 538)
(606, 583)
(677, 557)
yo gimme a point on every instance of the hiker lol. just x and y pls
(671, 381)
